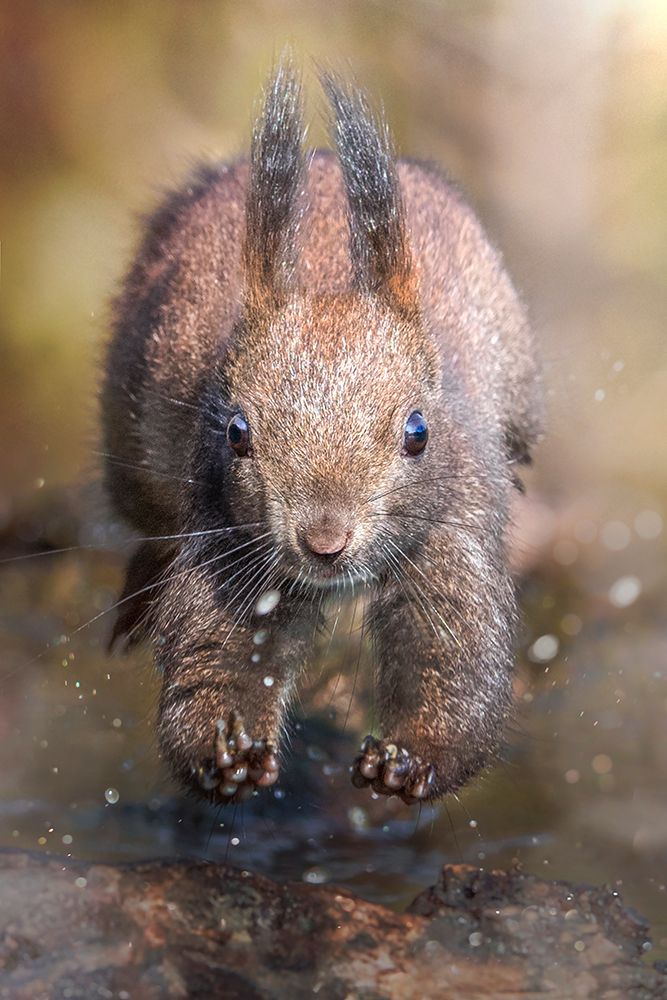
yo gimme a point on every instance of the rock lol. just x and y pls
(185, 929)
(571, 941)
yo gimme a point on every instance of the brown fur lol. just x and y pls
(326, 345)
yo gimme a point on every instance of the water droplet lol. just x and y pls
(80, 882)
(267, 602)
(117, 723)
(255, 658)
(112, 796)
(625, 591)
(235, 841)
(315, 876)
(572, 776)
(358, 817)
(475, 939)
(579, 946)
(268, 682)
(544, 649)
(602, 763)
(67, 838)
(260, 637)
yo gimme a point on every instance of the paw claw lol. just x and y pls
(390, 769)
(223, 757)
(392, 777)
(270, 763)
(239, 764)
(368, 770)
(237, 774)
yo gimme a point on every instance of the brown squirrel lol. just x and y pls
(320, 379)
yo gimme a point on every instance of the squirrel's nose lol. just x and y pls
(327, 541)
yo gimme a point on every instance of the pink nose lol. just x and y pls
(326, 541)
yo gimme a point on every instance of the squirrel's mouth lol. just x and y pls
(337, 576)
(340, 572)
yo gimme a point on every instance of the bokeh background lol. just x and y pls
(552, 114)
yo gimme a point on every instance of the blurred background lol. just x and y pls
(552, 116)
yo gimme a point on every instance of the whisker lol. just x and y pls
(145, 469)
(400, 576)
(264, 572)
(404, 486)
(249, 562)
(131, 541)
(445, 625)
(198, 408)
(467, 813)
(456, 839)
(333, 631)
(355, 678)
(470, 526)
(49, 552)
(137, 593)
(352, 619)
(198, 534)
(159, 583)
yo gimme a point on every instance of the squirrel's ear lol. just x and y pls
(378, 236)
(276, 174)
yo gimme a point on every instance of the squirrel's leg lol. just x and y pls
(444, 632)
(227, 677)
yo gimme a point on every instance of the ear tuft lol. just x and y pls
(276, 176)
(378, 235)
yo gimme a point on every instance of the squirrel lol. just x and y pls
(320, 381)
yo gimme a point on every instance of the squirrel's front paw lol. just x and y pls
(238, 764)
(392, 770)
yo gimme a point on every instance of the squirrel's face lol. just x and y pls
(331, 418)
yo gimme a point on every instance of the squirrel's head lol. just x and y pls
(329, 429)
(328, 401)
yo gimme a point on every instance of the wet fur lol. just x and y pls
(325, 301)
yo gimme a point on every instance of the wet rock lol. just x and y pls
(185, 929)
(572, 941)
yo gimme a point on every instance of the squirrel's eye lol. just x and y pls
(238, 435)
(415, 435)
